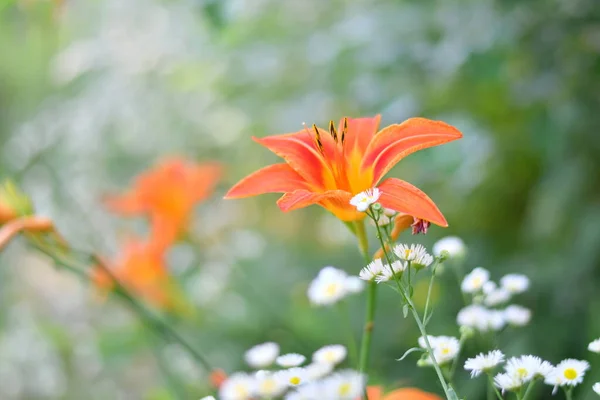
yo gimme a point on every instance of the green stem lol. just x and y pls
(415, 314)
(352, 346)
(491, 385)
(569, 393)
(529, 389)
(173, 383)
(431, 280)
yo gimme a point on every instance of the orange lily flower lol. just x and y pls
(168, 194)
(329, 167)
(376, 393)
(141, 269)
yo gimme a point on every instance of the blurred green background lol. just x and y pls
(94, 92)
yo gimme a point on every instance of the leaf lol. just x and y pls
(428, 318)
(405, 310)
(411, 350)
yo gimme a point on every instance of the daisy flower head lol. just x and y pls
(328, 287)
(516, 315)
(364, 200)
(540, 368)
(507, 382)
(344, 385)
(239, 386)
(496, 297)
(371, 271)
(354, 284)
(389, 273)
(293, 376)
(524, 368)
(484, 362)
(596, 387)
(480, 318)
(308, 391)
(317, 370)
(290, 360)
(474, 281)
(515, 283)
(409, 253)
(332, 354)
(445, 349)
(268, 385)
(489, 287)
(594, 346)
(262, 355)
(452, 244)
(569, 372)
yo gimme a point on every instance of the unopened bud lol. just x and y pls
(377, 207)
(444, 255)
(466, 332)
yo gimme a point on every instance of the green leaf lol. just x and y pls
(405, 310)
(411, 350)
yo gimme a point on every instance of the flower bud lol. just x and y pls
(466, 332)
(13, 203)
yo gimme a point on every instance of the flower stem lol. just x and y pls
(345, 316)
(569, 393)
(492, 386)
(528, 391)
(431, 280)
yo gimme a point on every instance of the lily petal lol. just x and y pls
(410, 394)
(360, 132)
(336, 201)
(397, 141)
(277, 178)
(406, 198)
(301, 153)
(127, 204)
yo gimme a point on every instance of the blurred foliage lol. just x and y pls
(92, 93)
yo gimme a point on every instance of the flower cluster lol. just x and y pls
(332, 285)
(485, 313)
(316, 380)
(414, 256)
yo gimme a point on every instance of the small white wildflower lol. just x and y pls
(480, 318)
(354, 284)
(268, 385)
(293, 376)
(308, 391)
(484, 362)
(507, 382)
(474, 281)
(208, 398)
(290, 360)
(515, 283)
(316, 370)
(262, 355)
(524, 368)
(517, 316)
(554, 379)
(371, 271)
(538, 367)
(239, 386)
(344, 385)
(328, 287)
(388, 273)
(496, 320)
(569, 372)
(332, 354)
(489, 287)
(496, 297)
(596, 387)
(452, 244)
(409, 253)
(445, 348)
(363, 200)
(594, 346)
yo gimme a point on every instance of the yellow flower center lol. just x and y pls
(570, 373)
(332, 289)
(330, 356)
(522, 372)
(344, 389)
(407, 253)
(295, 380)
(241, 390)
(267, 386)
(477, 282)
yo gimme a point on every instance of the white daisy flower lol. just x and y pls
(496, 320)
(262, 355)
(344, 385)
(496, 297)
(569, 372)
(239, 386)
(554, 379)
(515, 283)
(524, 368)
(290, 360)
(268, 385)
(594, 346)
(474, 281)
(354, 284)
(308, 391)
(484, 362)
(421, 261)
(445, 348)
(371, 271)
(316, 370)
(596, 387)
(517, 316)
(328, 287)
(208, 398)
(388, 273)
(363, 200)
(332, 354)
(293, 376)
(507, 382)
(409, 253)
(480, 318)
(539, 367)
(452, 244)
(430, 339)
(489, 287)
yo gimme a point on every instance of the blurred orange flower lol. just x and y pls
(329, 167)
(376, 393)
(167, 194)
(141, 269)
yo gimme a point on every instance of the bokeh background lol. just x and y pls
(94, 92)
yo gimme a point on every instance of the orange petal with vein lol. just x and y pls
(406, 198)
(300, 152)
(336, 201)
(360, 132)
(277, 178)
(395, 142)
